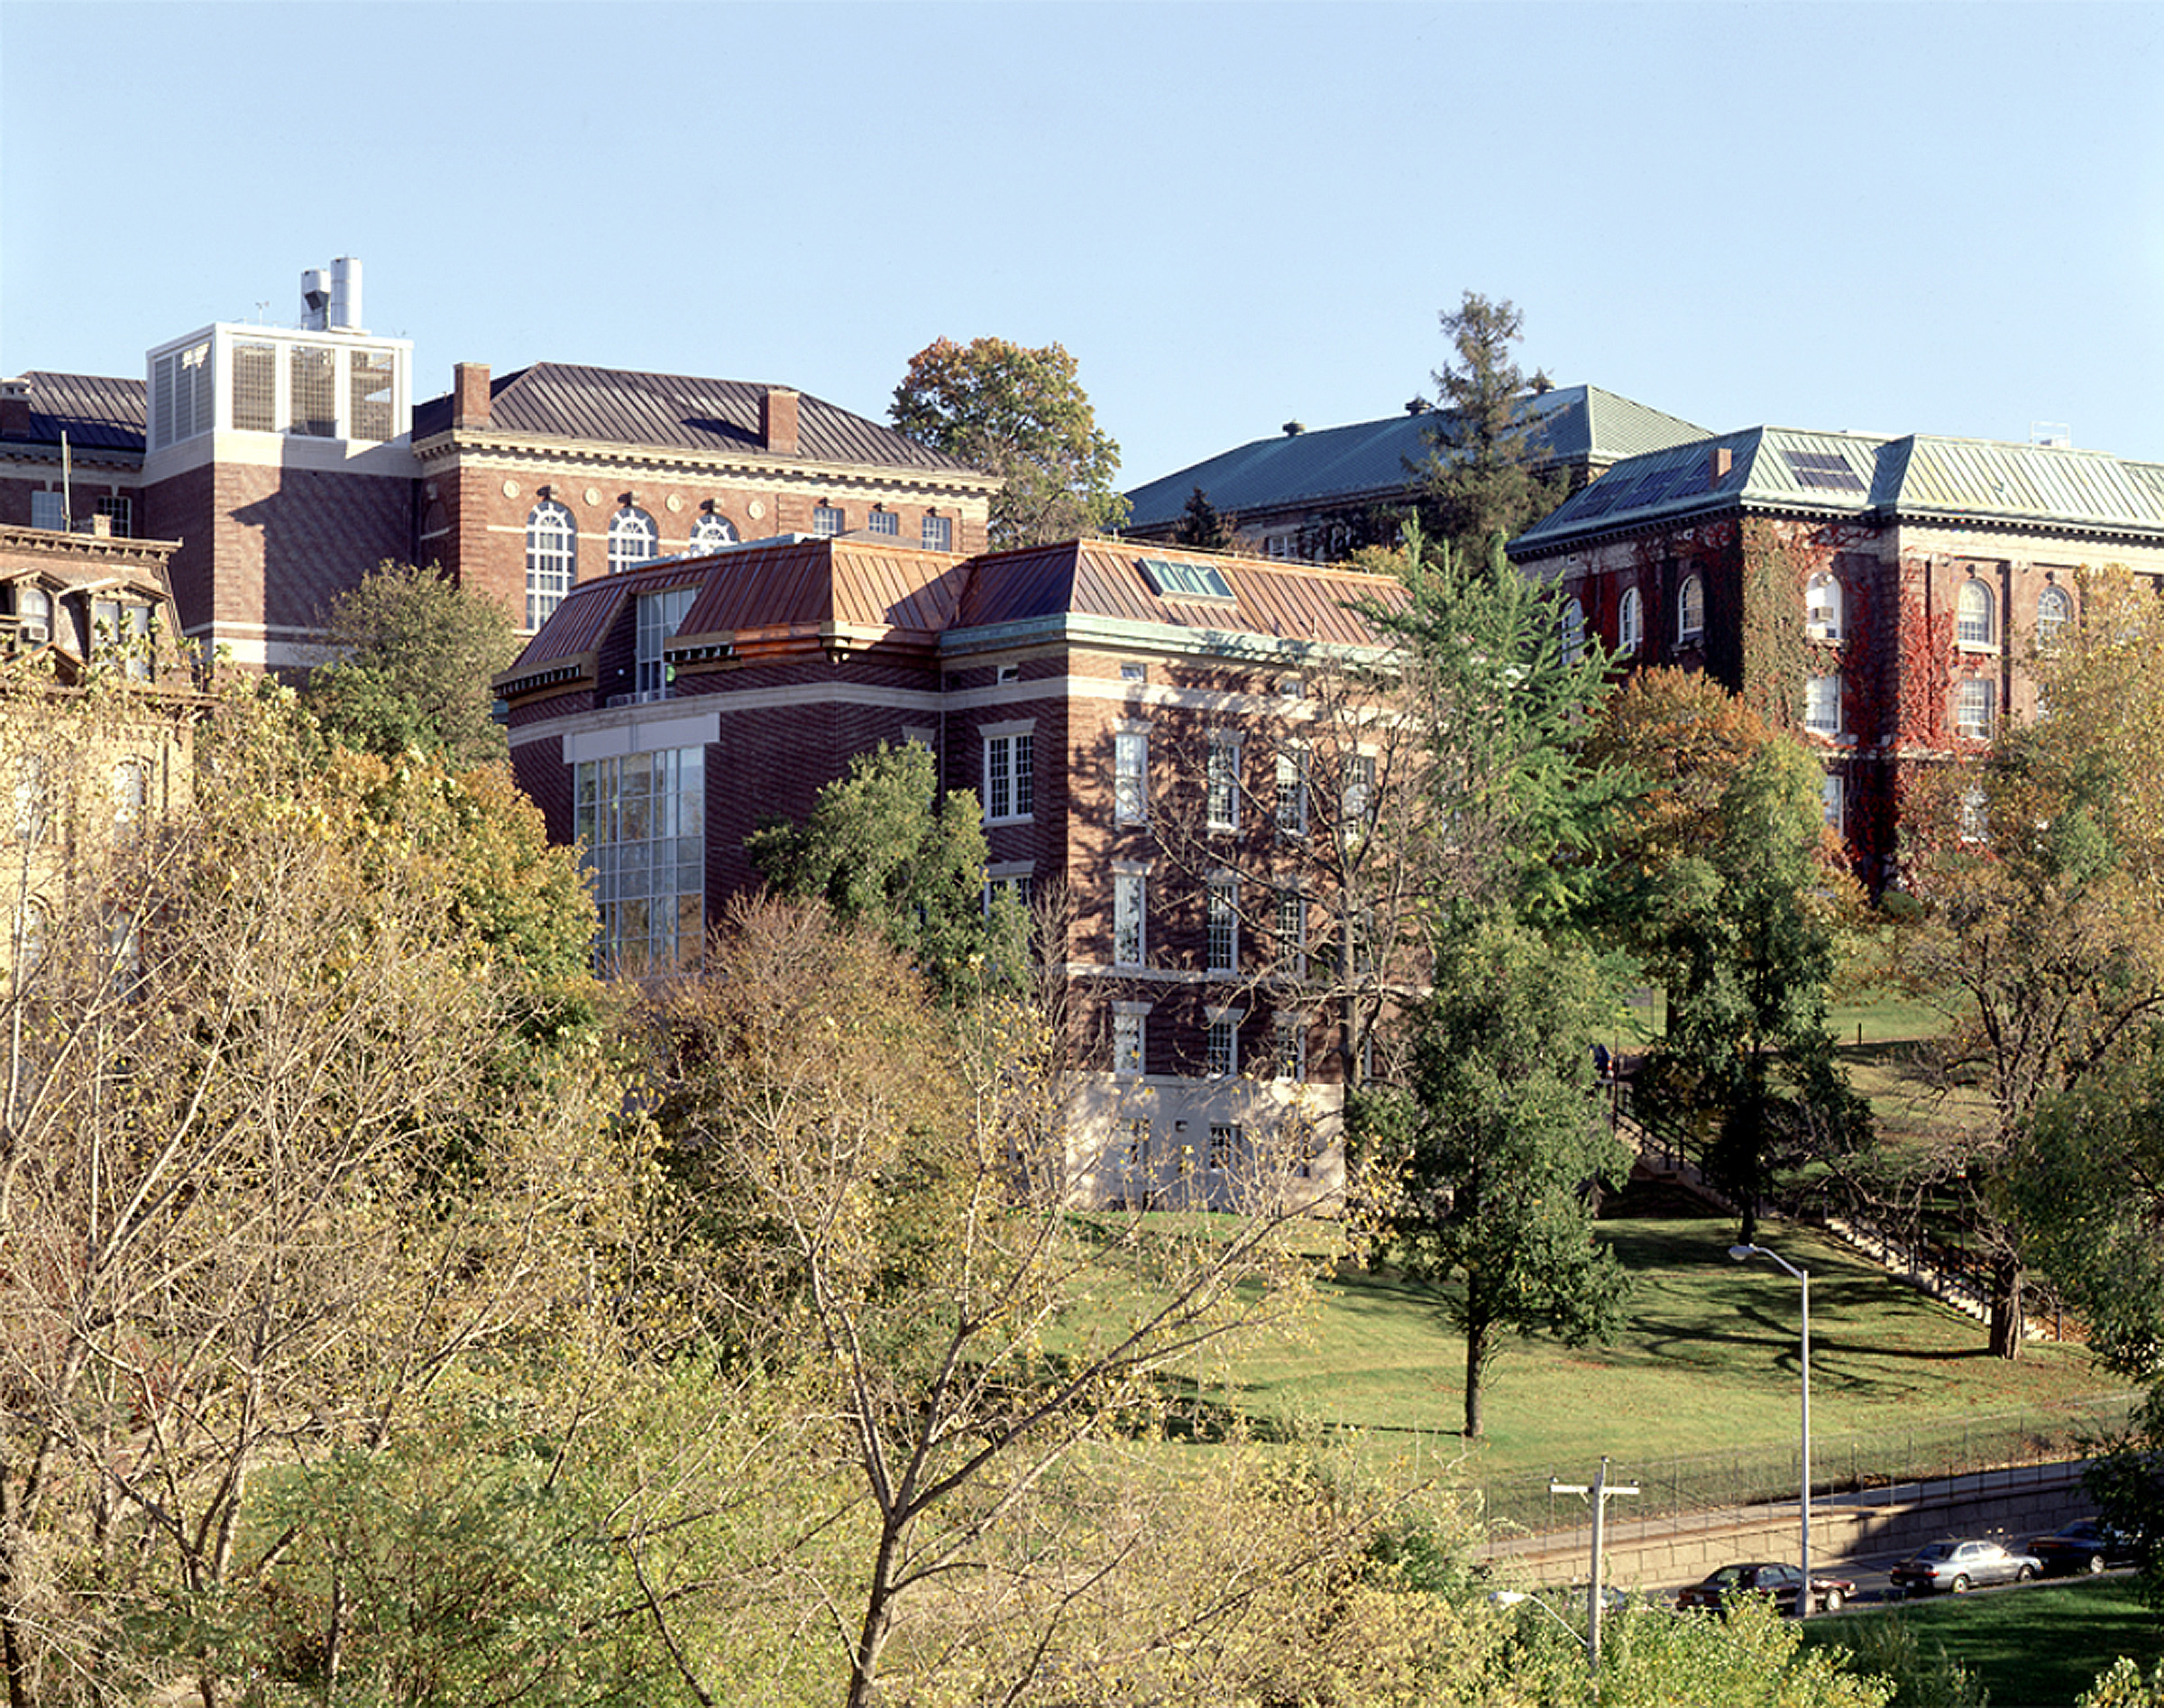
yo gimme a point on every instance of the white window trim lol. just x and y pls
(1221, 905)
(1686, 630)
(1823, 621)
(1140, 872)
(1230, 744)
(987, 734)
(1826, 683)
(1968, 643)
(1230, 1021)
(1630, 621)
(1138, 1012)
(1129, 807)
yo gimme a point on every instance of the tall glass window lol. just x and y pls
(632, 539)
(660, 615)
(552, 543)
(640, 821)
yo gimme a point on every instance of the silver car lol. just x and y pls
(1960, 1565)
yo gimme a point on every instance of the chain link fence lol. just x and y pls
(1867, 1467)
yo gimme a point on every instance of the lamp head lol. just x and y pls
(1743, 1254)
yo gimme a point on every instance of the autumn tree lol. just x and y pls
(1019, 414)
(416, 655)
(1479, 485)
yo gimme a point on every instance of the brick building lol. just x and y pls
(1305, 494)
(288, 462)
(1135, 725)
(1884, 596)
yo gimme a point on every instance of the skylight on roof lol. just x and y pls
(1823, 470)
(1170, 580)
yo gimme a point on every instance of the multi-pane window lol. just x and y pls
(33, 615)
(1630, 621)
(120, 513)
(2054, 611)
(120, 633)
(1823, 608)
(1290, 1032)
(1973, 615)
(1292, 793)
(1292, 934)
(1573, 631)
(1130, 776)
(551, 557)
(1358, 802)
(1833, 803)
(1974, 815)
(1220, 1045)
(48, 510)
(1009, 786)
(1691, 609)
(939, 534)
(1223, 926)
(1127, 1043)
(1129, 901)
(1972, 700)
(886, 523)
(1015, 887)
(640, 822)
(633, 538)
(710, 531)
(1822, 705)
(827, 520)
(1224, 1145)
(1223, 784)
(660, 615)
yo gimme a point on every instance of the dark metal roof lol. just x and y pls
(98, 414)
(1370, 458)
(614, 405)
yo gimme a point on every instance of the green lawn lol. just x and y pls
(2037, 1648)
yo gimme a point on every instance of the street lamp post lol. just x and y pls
(1744, 1253)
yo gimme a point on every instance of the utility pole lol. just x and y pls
(1596, 1495)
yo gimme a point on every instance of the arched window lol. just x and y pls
(1630, 621)
(1573, 631)
(1690, 610)
(632, 539)
(1975, 622)
(552, 545)
(2054, 611)
(1823, 608)
(711, 530)
(33, 615)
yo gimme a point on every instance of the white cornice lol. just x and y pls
(547, 451)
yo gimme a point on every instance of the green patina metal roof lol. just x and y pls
(1915, 478)
(1368, 459)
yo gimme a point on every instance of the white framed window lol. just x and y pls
(1008, 672)
(711, 530)
(1691, 609)
(1220, 1043)
(1292, 792)
(640, 821)
(1014, 880)
(34, 614)
(1974, 817)
(1222, 923)
(1009, 780)
(1630, 621)
(120, 513)
(886, 524)
(1358, 806)
(1975, 615)
(938, 533)
(660, 615)
(1128, 1039)
(2054, 611)
(1822, 607)
(1289, 1032)
(1572, 631)
(551, 546)
(47, 510)
(131, 798)
(1973, 707)
(633, 539)
(120, 633)
(1222, 782)
(1291, 933)
(1129, 776)
(1833, 803)
(1129, 914)
(1224, 1145)
(828, 520)
(1822, 705)
(1134, 670)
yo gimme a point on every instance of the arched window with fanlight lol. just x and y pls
(1975, 615)
(1691, 610)
(2054, 611)
(1822, 607)
(1630, 621)
(711, 530)
(632, 539)
(551, 546)
(1573, 630)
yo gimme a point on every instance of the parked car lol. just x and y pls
(1960, 1566)
(1784, 1583)
(2087, 1545)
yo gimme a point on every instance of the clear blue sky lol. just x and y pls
(1900, 218)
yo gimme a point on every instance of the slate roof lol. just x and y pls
(1916, 477)
(616, 406)
(98, 414)
(1368, 459)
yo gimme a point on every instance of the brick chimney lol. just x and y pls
(14, 408)
(470, 394)
(778, 421)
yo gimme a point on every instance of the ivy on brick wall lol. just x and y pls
(1776, 658)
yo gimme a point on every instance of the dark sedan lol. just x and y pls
(2088, 1545)
(1960, 1566)
(1784, 1583)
